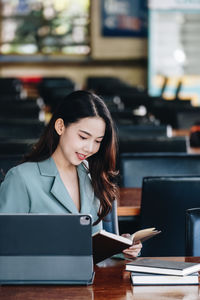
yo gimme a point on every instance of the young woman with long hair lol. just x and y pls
(72, 167)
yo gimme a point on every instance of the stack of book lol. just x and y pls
(163, 272)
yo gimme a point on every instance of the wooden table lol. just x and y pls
(111, 282)
(129, 201)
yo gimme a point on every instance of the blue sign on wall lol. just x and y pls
(124, 18)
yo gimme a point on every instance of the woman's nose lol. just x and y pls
(89, 147)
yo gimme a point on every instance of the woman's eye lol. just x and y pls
(82, 137)
(98, 142)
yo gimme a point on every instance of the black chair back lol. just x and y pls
(188, 118)
(164, 202)
(192, 242)
(10, 88)
(135, 166)
(16, 146)
(54, 89)
(131, 131)
(152, 144)
(20, 129)
(19, 109)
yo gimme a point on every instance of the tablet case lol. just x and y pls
(45, 249)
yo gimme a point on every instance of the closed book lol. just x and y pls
(107, 244)
(157, 279)
(157, 266)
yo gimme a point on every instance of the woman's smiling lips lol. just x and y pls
(81, 156)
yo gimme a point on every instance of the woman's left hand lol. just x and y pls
(134, 250)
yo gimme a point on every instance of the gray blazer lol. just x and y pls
(36, 187)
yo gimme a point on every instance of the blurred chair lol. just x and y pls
(10, 88)
(114, 103)
(26, 109)
(131, 131)
(149, 138)
(135, 166)
(152, 144)
(192, 242)
(164, 202)
(109, 85)
(20, 128)
(110, 222)
(187, 118)
(55, 89)
(16, 146)
(167, 111)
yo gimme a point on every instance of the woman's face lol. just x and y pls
(79, 140)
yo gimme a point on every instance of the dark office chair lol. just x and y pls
(54, 89)
(110, 223)
(19, 109)
(107, 85)
(187, 118)
(151, 144)
(166, 111)
(20, 128)
(131, 131)
(163, 205)
(16, 146)
(10, 88)
(135, 166)
(192, 241)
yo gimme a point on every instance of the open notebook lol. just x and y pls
(41, 249)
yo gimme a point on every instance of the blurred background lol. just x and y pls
(141, 56)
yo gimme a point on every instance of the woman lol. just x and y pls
(72, 167)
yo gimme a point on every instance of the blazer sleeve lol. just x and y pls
(14, 196)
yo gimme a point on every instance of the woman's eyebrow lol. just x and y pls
(83, 131)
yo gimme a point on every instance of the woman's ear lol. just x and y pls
(59, 126)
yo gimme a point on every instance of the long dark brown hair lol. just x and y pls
(101, 165)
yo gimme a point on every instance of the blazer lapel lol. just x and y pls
(48, 168)
(60, 192)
